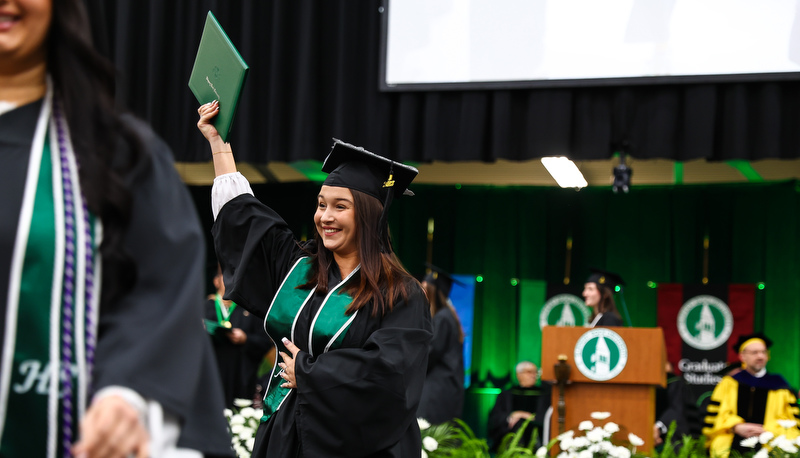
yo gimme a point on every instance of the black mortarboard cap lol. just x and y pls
(440, 278)
(354, 167)
(605, 278)
(757, 335)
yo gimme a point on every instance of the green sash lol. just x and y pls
(46, 272)
(327, 332)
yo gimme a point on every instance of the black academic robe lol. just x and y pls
(443, 392)
(535, 400)
(359, 400)
(609, 319)
(673, 404)
(151, 340)
(238, 363)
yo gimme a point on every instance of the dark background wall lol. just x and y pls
(314, 75)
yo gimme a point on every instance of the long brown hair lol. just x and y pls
(106, 148)
(606, 305)
(439, 303)
(382, 279)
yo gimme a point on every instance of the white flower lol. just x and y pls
(236, 429)
(249, 443)
(596, 435)
(594, 448)
(565, 443)
(237, 420)
(761, 454)
(227, 413)
(600, 415)
(787, 423)
(423, 423)
(797, 441)
(430, 443)
(242, 402)
(580, 442)
(635, 440)
(247, 412)
(788, 447)
(563, 455)
(569, 434)
(750, 442)
(623, 452)
(765, 437)
(605, 446)
(423, 455)
(611, 427)
(585, 425)
(246, 433)
(585, 454)
(542, 452)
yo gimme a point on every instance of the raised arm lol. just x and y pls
(221, 152)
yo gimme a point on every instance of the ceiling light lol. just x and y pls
(565, 172)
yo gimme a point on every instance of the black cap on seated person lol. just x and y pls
(355, 168)
(605, 278)
(746, 340)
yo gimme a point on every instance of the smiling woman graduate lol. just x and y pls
(352, 326)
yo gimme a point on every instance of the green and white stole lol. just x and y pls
(328, 327)
(52, 301)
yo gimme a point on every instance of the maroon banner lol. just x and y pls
(700, 323)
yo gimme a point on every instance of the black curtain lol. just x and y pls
(314, 75)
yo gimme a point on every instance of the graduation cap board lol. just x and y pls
(219, 73)
(441, 279)
(605, 278)
(353, 167)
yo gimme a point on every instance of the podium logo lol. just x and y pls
(601, 354)
(705, 322)
(564, 310)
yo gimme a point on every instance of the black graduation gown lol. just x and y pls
(609, 319)
(151, 340)
(535, 400)
(238, 364)
(443, 392)
(356, 401)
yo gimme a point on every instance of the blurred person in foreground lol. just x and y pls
(100, 261)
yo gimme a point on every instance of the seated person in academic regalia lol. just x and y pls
(750, 402)
(517, 404)
(239, 341)
(598, 293)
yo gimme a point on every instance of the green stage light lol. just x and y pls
(761, 285)
(652, 284)
(458, 185)
(617, 288)
(479, 278)
(514, 282)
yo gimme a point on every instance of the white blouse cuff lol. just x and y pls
(225, 188)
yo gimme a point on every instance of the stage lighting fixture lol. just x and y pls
(565, 172)
(622, 176)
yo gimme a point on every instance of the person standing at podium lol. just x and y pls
(598, 293)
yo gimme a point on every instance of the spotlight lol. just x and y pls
(622, 176)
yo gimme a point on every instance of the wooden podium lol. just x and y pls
(629, 395)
